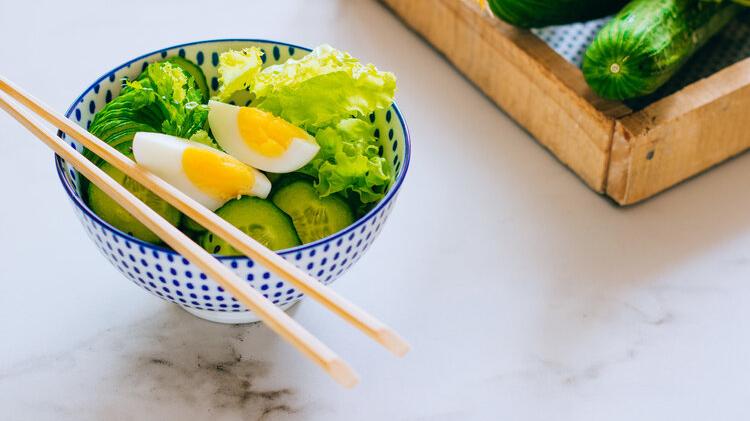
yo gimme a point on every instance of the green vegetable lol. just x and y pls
(314, 217)
(742, 2)
(315, 91)
(173, 97)
(647, 42)
(202, 136)
(537, 13)
(237, 71)
(257, 218)
(118, 217)
(321, 93)
(193, 70)
(349, 163)
(188, 225)
(164, 98)
(323, 88)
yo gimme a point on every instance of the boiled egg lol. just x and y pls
(260, 139)
(207, 175)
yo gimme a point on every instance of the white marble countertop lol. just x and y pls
(525, 295)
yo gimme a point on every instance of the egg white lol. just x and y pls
(162, 155)
(225, 128)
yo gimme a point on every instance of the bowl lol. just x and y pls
(169, 276)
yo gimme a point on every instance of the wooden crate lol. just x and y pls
(625, 154)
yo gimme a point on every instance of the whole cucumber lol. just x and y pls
(648, 41)
(538, 13)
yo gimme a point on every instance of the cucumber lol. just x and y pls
(187, 224)
(648, 41)
(537, 13)
(314, 217)
(279, 181)
(118, 217)
(257, 218)
(193, 70)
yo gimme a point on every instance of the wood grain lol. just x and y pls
(681, 135)
(628, 155)
(538, 88)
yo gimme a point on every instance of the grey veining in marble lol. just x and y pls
(525, 296)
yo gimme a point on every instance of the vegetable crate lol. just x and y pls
(628, 151)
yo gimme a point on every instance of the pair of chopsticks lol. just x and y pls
(273, 317)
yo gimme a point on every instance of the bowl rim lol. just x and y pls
(78, 201)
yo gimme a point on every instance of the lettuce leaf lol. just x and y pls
(323, 88)
(202, 137)
(348, 162)
(170, 96)
(237, 71)
(163, 98)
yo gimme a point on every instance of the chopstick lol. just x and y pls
(345, 309)
(273, 316)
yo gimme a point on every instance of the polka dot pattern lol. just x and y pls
(166, 274)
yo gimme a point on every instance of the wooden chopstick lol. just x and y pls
(345, 309)
(274, 317)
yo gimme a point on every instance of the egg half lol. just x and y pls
(260, 139)
(207, 175)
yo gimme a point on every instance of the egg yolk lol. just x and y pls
(267, 134)
(218, 175)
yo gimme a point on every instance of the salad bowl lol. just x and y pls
(169, 276)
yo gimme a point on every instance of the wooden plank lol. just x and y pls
(628, 155)
(681, 135)
(538, 88)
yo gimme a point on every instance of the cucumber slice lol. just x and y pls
(194, 71)
(279, 181)
(257, 218)
(188, 224)
(118, 217)
(314, 217)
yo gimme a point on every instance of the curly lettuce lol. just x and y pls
(349, 163)
(328, 93)
(202, 137)
(323, 88)
(318, 90)
(237, 71)
(164, 98)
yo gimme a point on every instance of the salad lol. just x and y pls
(284, 152)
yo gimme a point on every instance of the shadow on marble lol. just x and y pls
(168, 365)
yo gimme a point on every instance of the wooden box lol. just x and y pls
(628, 155)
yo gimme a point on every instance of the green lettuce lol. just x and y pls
(163, 99)
(173, 97)
(318, 90)
(237, 71)
(323, 88)
(328, 93)
(348, 162)
(202, 137)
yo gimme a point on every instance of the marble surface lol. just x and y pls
(525, 295)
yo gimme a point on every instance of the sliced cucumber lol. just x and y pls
(257, 218)
(118, 217)
(314, 217)
(279, 181)
(194, 71)
(188, 224)
(122, 141)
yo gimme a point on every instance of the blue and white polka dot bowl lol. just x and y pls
(168, 275)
